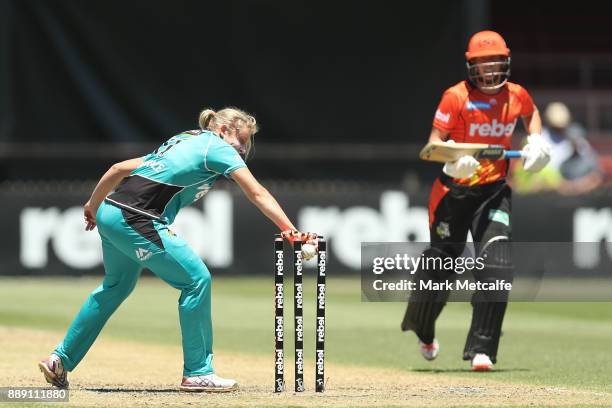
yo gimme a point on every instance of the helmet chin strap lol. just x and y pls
(487, 81)
(492, 87)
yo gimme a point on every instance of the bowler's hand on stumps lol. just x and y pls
(309, 242)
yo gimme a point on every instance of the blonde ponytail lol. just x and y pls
(206, 116)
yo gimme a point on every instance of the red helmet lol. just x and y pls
(486, 44)
(492, 73)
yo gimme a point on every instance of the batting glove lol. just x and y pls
(536, 153)
(463, 167)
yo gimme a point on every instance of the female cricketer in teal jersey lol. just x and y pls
(133, 225)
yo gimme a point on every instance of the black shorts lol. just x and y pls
(455, 209)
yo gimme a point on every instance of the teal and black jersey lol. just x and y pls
(175, 175)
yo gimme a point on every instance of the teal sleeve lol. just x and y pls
(144, 160)
(222, 158)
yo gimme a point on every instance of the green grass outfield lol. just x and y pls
(552, 344)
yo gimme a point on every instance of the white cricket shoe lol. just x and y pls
(429, 351)
(208, 383)
(481, 362)
(54, 372)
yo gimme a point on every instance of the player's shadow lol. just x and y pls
(132, 390)
(467, 370)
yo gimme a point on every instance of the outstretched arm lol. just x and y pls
(262, 199)
(107, 183)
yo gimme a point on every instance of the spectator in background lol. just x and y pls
(573, 168)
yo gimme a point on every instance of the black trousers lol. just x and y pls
(454, 209)
(485, 211)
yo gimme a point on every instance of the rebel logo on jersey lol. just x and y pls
(443, 117)
(494, 129)
(471, 116)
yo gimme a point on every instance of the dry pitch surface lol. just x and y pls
(126, 374)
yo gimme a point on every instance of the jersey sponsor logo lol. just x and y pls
(473, 105)
(495, 129)
(155, 165)
(443, 230)
(143, 254)
(202, 190)
(442, 117)
(500, 216)
(167, 145)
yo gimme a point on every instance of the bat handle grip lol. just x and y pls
(513, 154)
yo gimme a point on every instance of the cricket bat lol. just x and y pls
(446, 152)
